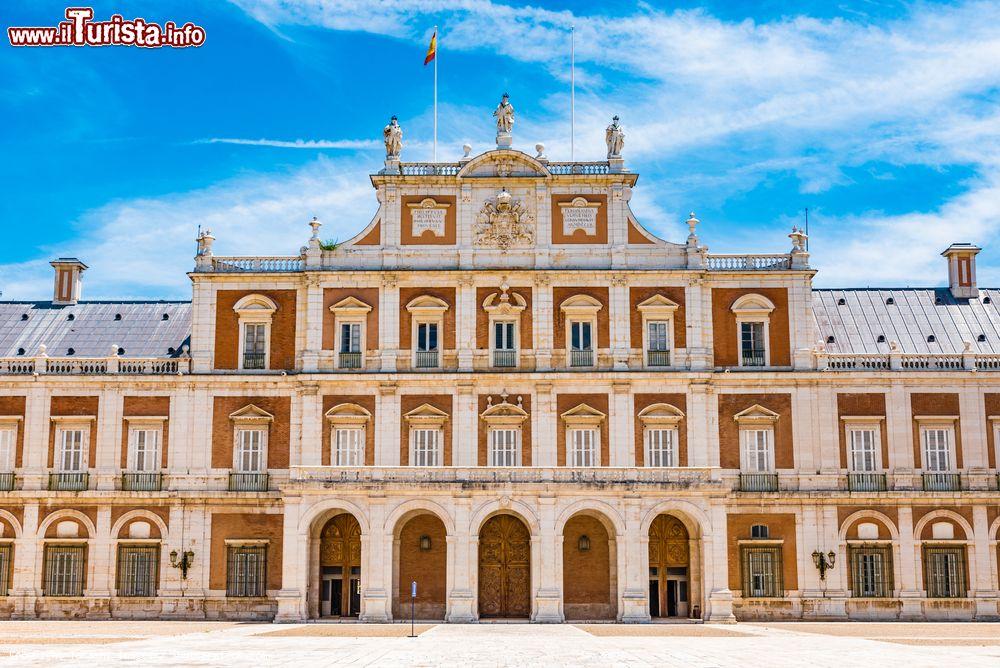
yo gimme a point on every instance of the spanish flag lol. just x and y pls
(432, 49)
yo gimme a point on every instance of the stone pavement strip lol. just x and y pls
(840, 645)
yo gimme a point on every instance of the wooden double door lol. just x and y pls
(504, 568)
(669, 568)
(340, 567)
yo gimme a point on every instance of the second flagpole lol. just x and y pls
(436, 93)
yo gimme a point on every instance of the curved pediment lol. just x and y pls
(348, 413)
(661, 414)
(503, 163)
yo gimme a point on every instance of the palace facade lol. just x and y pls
(505, 390)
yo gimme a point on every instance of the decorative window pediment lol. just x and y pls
(427, 305)
(346, 415)
(660, 415)
(350, 306)
(583, 415)
(426, 416)
(756, 415)
(504, 413)
(752, 305)
(251, 414)
(658, 306)
(255, 305)
(581, 305)
(504, 302)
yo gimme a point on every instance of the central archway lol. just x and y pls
(340, 567)
(421, 556)
(589, 568)
(504, 568)
(670, 576)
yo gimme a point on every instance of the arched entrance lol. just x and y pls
(421, 556)
(504, 568)
(670, 576)
(340, 567)
(589, 569)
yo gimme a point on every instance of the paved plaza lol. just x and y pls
(229, 644)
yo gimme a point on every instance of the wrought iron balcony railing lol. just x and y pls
(863, 481)
(7, 481)
(758, 482)
(581, 358)
(752, 358)
(75, 481)
(248, 482)
(658, 357)
(253, 360)
(426, 359)
(942, 482)
(142, 481)
(505, 358)
(349, 360)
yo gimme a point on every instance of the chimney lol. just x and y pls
(962, 270)
(68, 283)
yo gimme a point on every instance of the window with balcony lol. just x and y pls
(348, 435)
(864, 447)
(758, 451)
(658, 330)
(944, 571)
(138, 570)
(143, 459)
(251, 450)
(871, 571)
(8, 450)
(246, 569)
(251, 426)
(583, 436)
(580, 312)
(350, 321)
(426, 433)
(72, 449)
(937, 449)
(757, 457)
(761, 567)
(753, 314)
(255, 313)
(937, 445)
(65, 570)
(661, 434)
(504, 421)
(505, 311)
(427, 317)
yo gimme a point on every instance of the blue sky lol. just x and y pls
(881, 117)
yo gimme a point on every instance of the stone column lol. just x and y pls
(107, 462)
(973, 426)
(101, 562)
(544, 425)
(294, 565)
(908, 558)
(898, 424)
(376, 548)
(388, 322)
(387, 426)
(171, 579)
(698, 312)
(700, 435)
(465, 435)
(547, 553)
(463, 564)
(633, 559)
(313, 324)
(541, 319)
(200, 432)
(621, 449)
(27, 576)
(983, 561)
(716, 550)
(37, 422)
(202, 325)
(619, 322)
(311, 428)
(465, 319)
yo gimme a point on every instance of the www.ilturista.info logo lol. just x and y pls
(81, 30)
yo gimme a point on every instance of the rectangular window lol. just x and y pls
(246, 570)
(583, 447)
(8, 440)
(944, 572)
(427, 337)
(65, 566)
(71, 455)
(144, 450)
(426, 447)
(937, 449)
(658, 337)
(250, 450)
(580, 335)
(503, 336)
(757, 454)
(350, 337)
(349, 447)
(752, 344)
(6, 566)
(762, 572)
(503, 447)
(254, 342)
(864, 446)
(138, 570)
(871, 571)
(661, 447)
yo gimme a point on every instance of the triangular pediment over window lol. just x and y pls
(251, 414)
(583, 414)
(425, 414)
(350, 306)
(756, 414)
(658, 305)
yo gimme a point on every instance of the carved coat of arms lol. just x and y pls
(504, 223)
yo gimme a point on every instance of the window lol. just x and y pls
(658, 343)
(758, 456)
(661, 447)
(246, 570)
(425, 444)
(144, 450)
(350, 337)
(138, 570)
(255, 313)
(759, 531)
(349, 447)
(658, 329)
(254, 345)
(504, 309)
(65, 566)
(250, 453)
(6, 564)
(581, 321)
(427, 317)
(871, 571)
(427, 337)
(350, 315)
(937, 449)
(944, 572)
(504, 447)
(752, 351)
(761, 567)
(864, 447)
(580, 335)
(8, 441)
(503, 336)
(583, 447)
(72, 455)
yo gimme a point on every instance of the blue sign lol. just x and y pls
(413, 589)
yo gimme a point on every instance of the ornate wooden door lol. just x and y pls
(504, 568)
(668, 548)
(340, 550)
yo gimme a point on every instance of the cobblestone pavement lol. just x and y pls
(839, 645)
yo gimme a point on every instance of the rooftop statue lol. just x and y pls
(392, 134)
(614, 136)
(504, 114)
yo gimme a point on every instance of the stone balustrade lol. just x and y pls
(91, 366)
(906, 361)
(765, 262)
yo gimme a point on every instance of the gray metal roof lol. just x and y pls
(93, 329)
(913, 315)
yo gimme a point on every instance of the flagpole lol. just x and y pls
(435, 93)
(572, 93)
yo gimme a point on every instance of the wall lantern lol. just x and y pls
(824, 562)
(183, 561)
(584, 543)
(425, 543)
